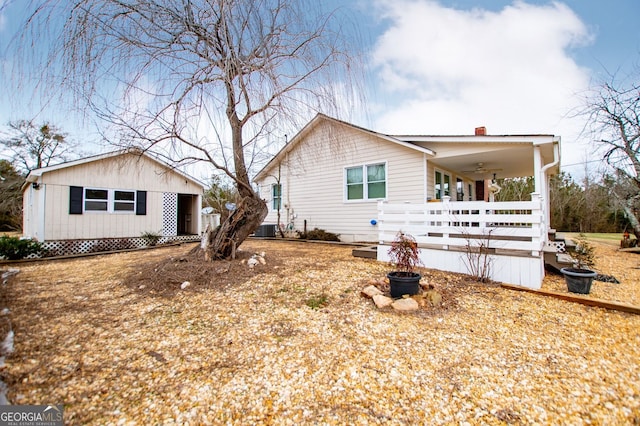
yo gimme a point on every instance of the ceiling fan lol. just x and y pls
(481, 169)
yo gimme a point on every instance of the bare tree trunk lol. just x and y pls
(633, 220)
(222, 242)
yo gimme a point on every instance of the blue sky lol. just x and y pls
(447, 66)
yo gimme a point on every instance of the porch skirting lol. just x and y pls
(54, 248)
(520, 269)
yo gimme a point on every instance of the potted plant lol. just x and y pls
(579, 278)
(405, 255)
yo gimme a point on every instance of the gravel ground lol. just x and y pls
(255, 352)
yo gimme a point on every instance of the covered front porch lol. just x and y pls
(462, 232)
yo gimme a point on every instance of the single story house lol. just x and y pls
(109, 201)
(366, 186)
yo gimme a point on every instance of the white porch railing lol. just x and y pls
(513, 225)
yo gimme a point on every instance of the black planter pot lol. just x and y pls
(578, 280)
(401, 283)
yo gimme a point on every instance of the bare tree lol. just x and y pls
(35, 146)
(199, 80)
(614, 115)
(11, 200)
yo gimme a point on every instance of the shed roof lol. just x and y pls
(34, 174)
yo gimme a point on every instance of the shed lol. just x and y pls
(110, 201)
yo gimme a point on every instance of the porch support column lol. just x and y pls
(537, 167)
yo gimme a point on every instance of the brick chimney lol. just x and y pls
(481, 131)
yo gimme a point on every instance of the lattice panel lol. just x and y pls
(559, 246)
(169, 214)
(73, 247)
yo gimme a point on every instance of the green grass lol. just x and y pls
(317, 302)
(608, 238)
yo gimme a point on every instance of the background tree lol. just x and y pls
(516, 189)
(614, 115)
(11, 200)
(33, 146)
(218, 195)
(198, 80)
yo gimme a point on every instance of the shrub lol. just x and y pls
(404, 253)
(14, 248)
(583, 254)
(151, 238)
(319, 234)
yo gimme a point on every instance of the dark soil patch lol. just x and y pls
(165, 277)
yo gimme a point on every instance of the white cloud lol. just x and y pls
(446, 71)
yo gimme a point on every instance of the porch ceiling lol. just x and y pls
(506, 161)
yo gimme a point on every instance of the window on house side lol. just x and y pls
(376, 181)
(276, 192)
(442, 185)
(355, 183)
(367, 182)
(447, 189)
(459, 189)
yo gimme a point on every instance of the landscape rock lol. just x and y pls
(433, 297)
(407, 304)
(185, 285)
(252, 262)
(382, 301)
(371, 291)
(8, 274)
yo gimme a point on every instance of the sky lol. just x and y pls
(448, 66)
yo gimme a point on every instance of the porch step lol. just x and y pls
(557, 261)
(568, 242)
(365, 252)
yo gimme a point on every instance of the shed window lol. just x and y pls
(368, 182)
(124, 201)
(96, 200)
(109, 200)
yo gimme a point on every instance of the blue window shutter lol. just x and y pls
(75, 199)
(141, 203)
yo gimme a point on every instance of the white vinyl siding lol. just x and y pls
(314, 181)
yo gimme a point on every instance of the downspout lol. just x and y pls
(425, 178)
(543, 175)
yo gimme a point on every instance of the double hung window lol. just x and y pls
(109, 200)
(366, 182)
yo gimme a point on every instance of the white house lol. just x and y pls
(365, 186)
(108, 201)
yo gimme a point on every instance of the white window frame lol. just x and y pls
(365, 183)
(110, 200)
(435, 183)
(273, 197)
(132, 203)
